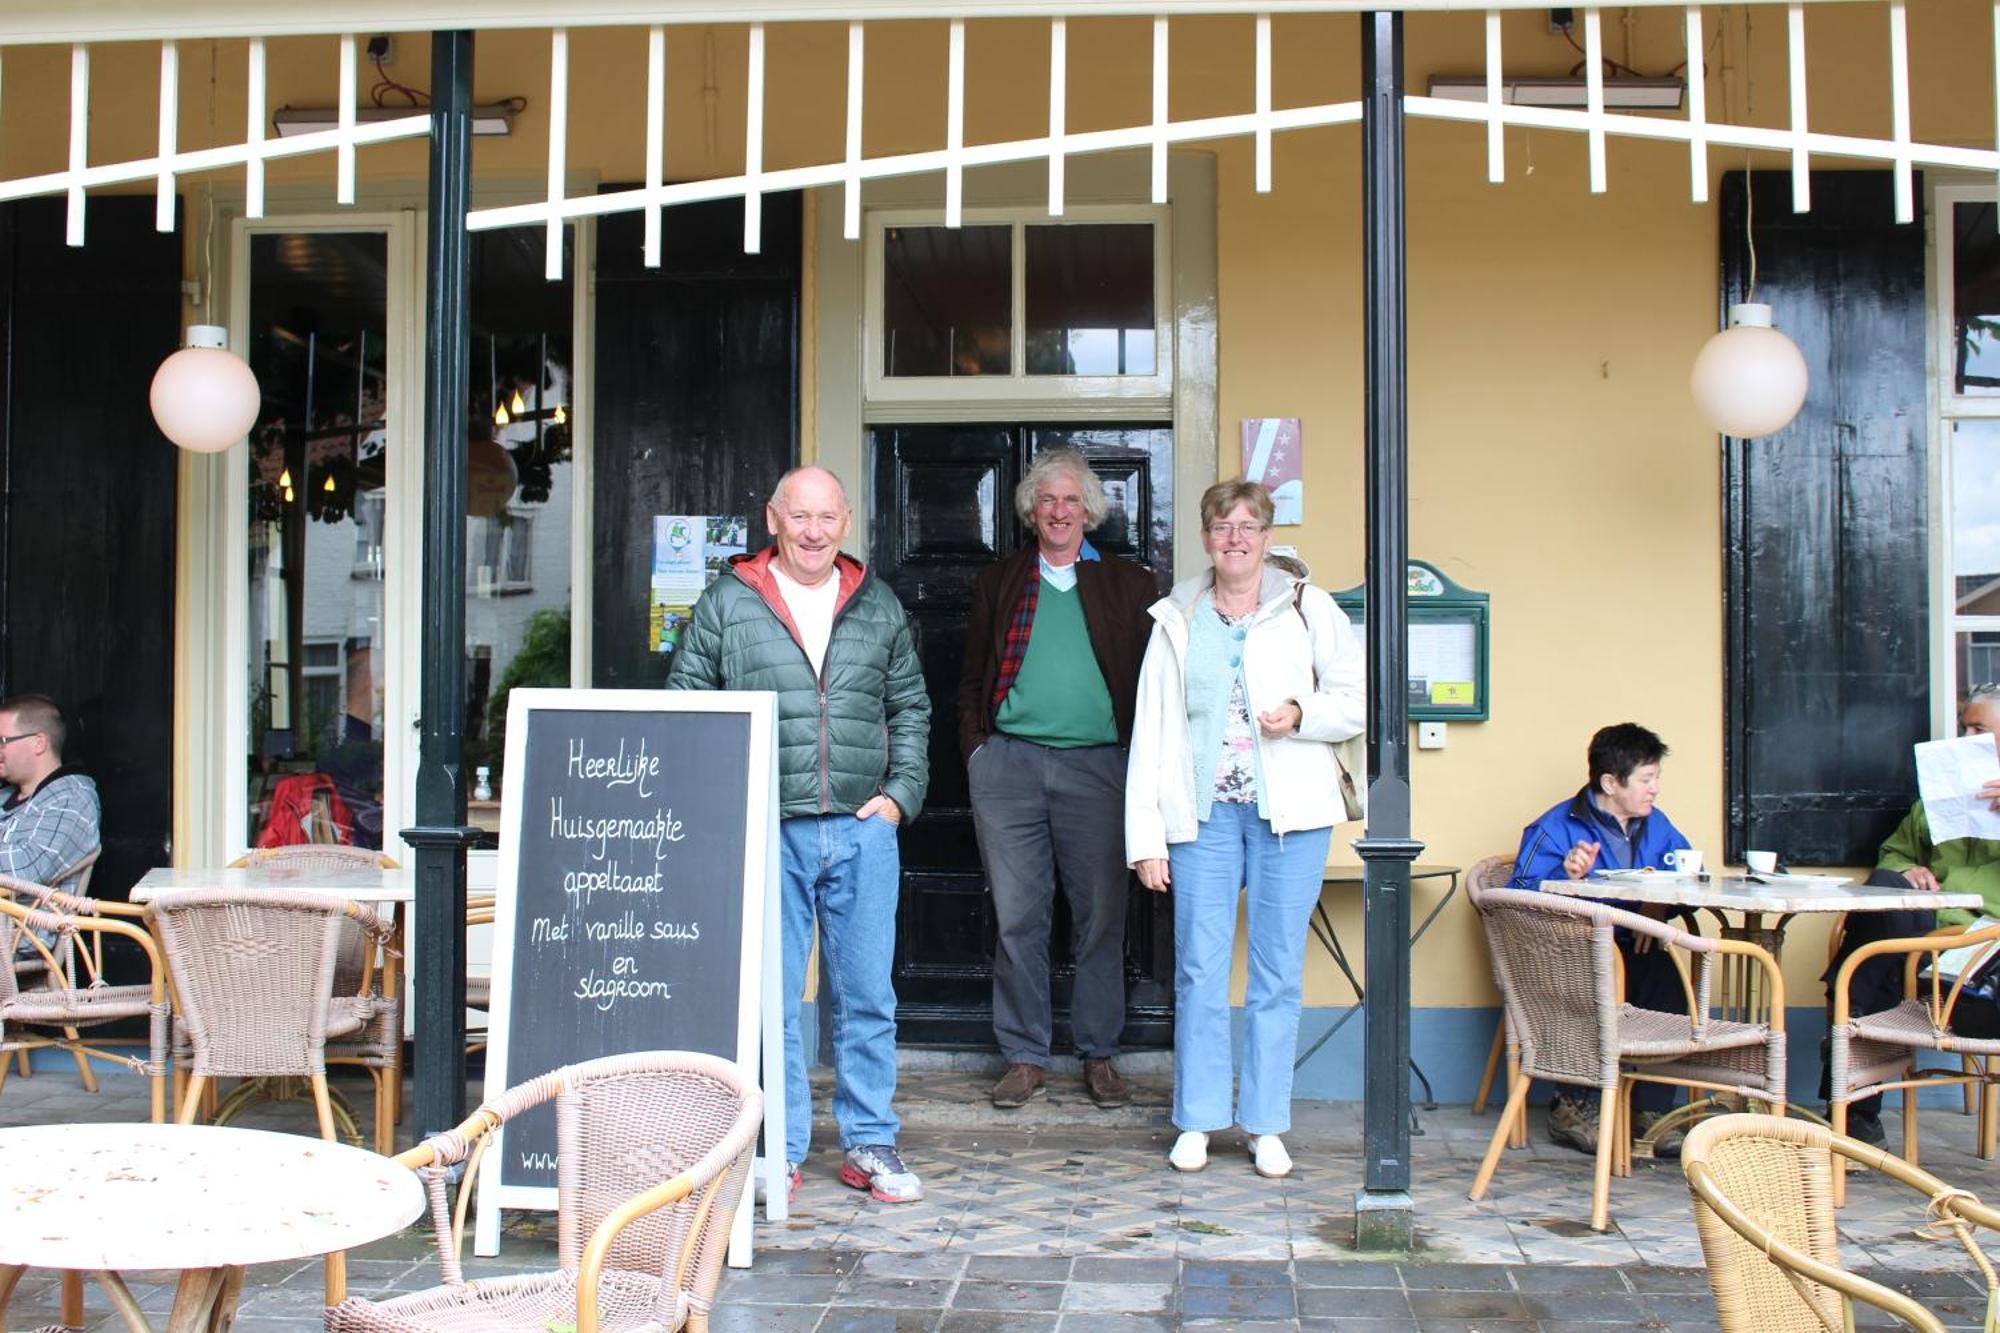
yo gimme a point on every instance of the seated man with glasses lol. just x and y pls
(1910, 859)
(48, 812)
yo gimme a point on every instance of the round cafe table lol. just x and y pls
(106, 1198)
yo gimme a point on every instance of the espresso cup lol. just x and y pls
(1761, 863)
(1684, 860)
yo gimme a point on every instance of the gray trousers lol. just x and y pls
(1042, 814)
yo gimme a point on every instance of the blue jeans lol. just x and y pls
(1236, 851)
(846, 873)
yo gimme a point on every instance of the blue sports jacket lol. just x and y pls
(1547, 841)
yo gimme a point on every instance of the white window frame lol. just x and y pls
(1947, 409)
(1147, 394)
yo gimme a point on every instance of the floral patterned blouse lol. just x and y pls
(1236, 774)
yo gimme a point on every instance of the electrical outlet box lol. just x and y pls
(1562, 19)
(1430, 735)
(382, 49)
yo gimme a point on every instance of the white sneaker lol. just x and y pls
(1190, 1151)
(1268, 1156)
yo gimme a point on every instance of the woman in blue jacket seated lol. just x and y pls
(1612, 824)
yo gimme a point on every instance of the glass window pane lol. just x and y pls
(1975, 517)
(947, 297)
(1976, 300)
(518, 486)
(1978, 660)
(318, 309)
(1090, 299)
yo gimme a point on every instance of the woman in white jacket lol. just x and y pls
(1233, 786)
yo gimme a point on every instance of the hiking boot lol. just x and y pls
(1668, 1144)
(1020, 1085)
(1104, 1085)
(878, 1168)
(1573, 1124)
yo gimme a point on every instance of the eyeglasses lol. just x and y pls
(9, 740)
(1245, 529)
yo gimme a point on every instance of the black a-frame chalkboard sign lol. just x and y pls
(637, 904)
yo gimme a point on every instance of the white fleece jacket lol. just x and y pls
(1296, 630)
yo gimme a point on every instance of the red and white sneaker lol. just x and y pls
(878, 1168)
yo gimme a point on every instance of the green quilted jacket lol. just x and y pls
(863, 729)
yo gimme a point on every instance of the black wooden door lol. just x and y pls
(944, 510)
(87, 584)
(697, 399)
(1827, 548)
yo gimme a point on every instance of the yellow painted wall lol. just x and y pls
(1555, 460)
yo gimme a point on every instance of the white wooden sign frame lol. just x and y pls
(759, 1008)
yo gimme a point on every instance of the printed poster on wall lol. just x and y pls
(689, 552)
(1274, 457)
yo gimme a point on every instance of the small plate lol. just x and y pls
(1826, 881)
(1646, 875)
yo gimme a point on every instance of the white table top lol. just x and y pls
(1735, 893)
(127, 1197)
(366, 886)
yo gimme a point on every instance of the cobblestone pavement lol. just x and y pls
(1062, 1216)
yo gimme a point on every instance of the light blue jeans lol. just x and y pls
(845, 873)
(1234, 852)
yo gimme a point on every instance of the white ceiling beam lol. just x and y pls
(38, 21)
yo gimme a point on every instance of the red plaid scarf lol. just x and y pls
(1015, 649)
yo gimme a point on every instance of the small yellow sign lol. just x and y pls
(1452, 692)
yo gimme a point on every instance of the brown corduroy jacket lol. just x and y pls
(1115, 594)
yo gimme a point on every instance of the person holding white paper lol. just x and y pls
(1911, 859)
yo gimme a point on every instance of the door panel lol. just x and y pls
(87, 557)
(697, 399)
(944, 510)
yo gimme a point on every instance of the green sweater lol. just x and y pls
(1058, 699)
(1963, 865)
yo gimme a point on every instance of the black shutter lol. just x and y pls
(1825, 528)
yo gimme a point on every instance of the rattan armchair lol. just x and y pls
(254, 997)
(1494, 872)
(74, 994)
(1873, 1053)
(1562, 979)
(646, 1261)
(32, 966)
(378, 1046)
(1762, 1190)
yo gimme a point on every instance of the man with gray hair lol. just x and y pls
(1051, 669)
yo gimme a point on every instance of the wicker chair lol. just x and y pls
(1562, 980)
(478, 988)
(1762, 1190)
(1872, 1053)
(31, 968)
(253, 977)
(628, 1262)
(1494, 872)
(378, 1047)
(74, 994)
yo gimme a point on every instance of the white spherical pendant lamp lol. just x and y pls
(204, 398)
(1750, 379)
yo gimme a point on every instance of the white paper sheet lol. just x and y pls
(1949, 775)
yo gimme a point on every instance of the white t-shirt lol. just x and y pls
(1061, 577)
(812, 611)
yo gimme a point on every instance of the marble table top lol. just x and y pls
(126, 1197)
(363, 885)
(1743, 894)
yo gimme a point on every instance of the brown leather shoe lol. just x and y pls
(1020, 1085)
(1106, 1088)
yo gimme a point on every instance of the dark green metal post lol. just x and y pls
(441, 836)
(1382, 1208)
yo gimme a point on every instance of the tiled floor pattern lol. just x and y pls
(1065, 1217)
